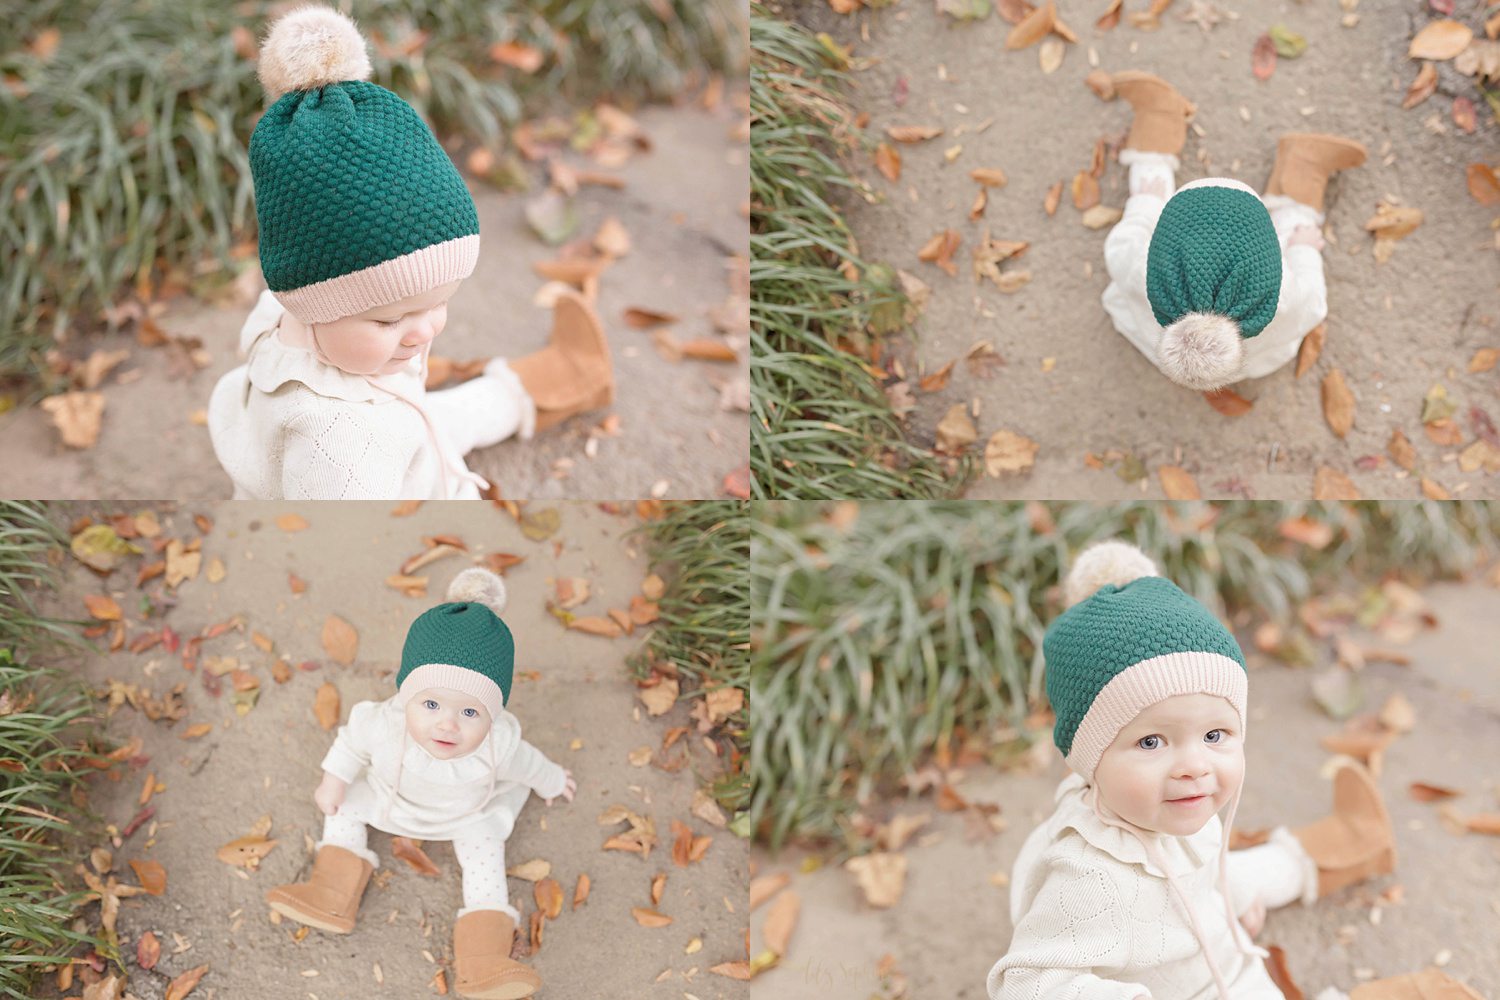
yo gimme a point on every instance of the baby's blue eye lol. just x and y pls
(429, 703)
(1214, 735)
(1148, 742)
(471, 713)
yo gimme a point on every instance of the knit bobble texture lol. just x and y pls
(311, 47)
(1106, 562)
(480, 586)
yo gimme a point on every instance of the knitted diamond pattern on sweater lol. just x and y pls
(348, 176)
(1215, 251)
(1116, 628)
(463, 634)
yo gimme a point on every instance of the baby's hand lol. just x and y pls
(1254, 918)
(329, 794)
(569, 788)
(1307, 236)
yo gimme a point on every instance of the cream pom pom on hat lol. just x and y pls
(358, 205)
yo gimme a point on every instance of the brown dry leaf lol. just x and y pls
(326, 706)
(940, 249)
(1338, 403)
(1085, 191)
(245, 852)
(732, 970)
(1397, 714)
(152, 876)
(1312, 346)
(147, 951)
(1401, 451)
(881, 876)
(296, 583)
(781, 918)
(532, 871)
(1277, 970)
(1314, 534)
(1422, 87)
(763, 887)
(1464, 116)
(1480, 454)
(1331, 486)
(660, 698)
(1484, 359)
(888, 161)
(181, 564)
(290, 523)
(1423, 792)
(77, 415)
(1177, 483)
(640, 319)
(913, 133)
(1051, 54)
(653, 587)
(1445, 432)
(1101, 83)
(988, 176)
(340, 640)
(1228, 402)
(649, 918)
(1054, 196)
(976, 210)
(195, 731)
(658, 883)
(1111, 16)
(411, 852)
(1007, 451)
(938, 380)
(180, 987)
(1263, 57)
(581, 891)
(1484, 823)
(955, 432)
(1433, 490)
(611, 239)
(1440, 40)
(549, 897)
(596, 625)
(102, 608)
(1484, 183)
(708, 349)
(1033, 27)
(1100, 216)
(1392, 222)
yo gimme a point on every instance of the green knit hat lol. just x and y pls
(358, 204)
(1132, 642)
(462, 644)
(1213, 278)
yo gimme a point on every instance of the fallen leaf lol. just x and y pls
(553, 216)
(1101, 83)
(532, 871)
(708, 349)
(955, 432)
(660, 697)
(888, 161)
(291, 523)
(1483, 360)
(326, 706)
(1421, 87)
(1177, 483)
(1054, 196)
(781, 919)
(1314, 534)
(152, 876)
(77, 415)
(340, 640)
(102, 608)
(181, 564)
(1263, 57)
(988, 176)
(1464, 116)
(540, 525)
(913, 133)
(732, 970)
(1008, 452)
(706, 809)
(611, 239)
(1434, 490)
(1085, 191)
(195, 731)
(100, 548)
(1050, 55)
(1228, 402)
(940, 249)
(649, 918)
(1397, 714)
(1424, 792)
(1484, 183)
(1444, 433)
(1100, 216)
(596, 625)
(1401, 451)
(658, 884)
(245, 852)
(411, 852)
(147, 951)
(881, 876)
(215, 571)
(1033, 27)
(1289, 44)
(1111, 16)
(518, 56)
(1312, 346)
(1440, 40)
(1338, 403)
(581, 891)
(1484, 823)
(1331, 486)
(1280, 975)
(763, 887)
(180, 987)
(1339, 691)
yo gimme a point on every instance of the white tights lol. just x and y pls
(1277, 872)
(481, 856)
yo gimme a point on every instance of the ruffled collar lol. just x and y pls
(1184, 854)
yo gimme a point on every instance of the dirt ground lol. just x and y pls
(572, 694)
(681, 205)
(952, 922)
(1074, 385)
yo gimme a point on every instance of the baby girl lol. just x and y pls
(442, 759)
(366, 231)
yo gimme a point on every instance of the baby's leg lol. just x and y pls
(349, 833)
(481, 855)
(484, 410)
(1278, 871)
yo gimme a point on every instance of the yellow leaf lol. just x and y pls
(1177, 483)
(326, 705)
(340, 640)
(649, 918)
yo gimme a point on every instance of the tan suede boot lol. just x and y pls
(1305, 161)
(572, 374)
(482, 962)
(330, 898)
(1356, 842)
(1161, 113)
(1429, 984)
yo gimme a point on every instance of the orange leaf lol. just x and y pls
(595, 625)
(1331, 486)
(708, 349)
(1440, 40)
(1484, 185)
(976, 211)
(296, 582)
(152, 875)
(1263, 57)
(649, 918)
(102, 608)
(1445, 432)
(1424, 792)
(657, 885)
(193, 732)
(1054, 195)
(245, 851)
(581, 891)
(326, 705)
(1463, 114)
(938, 380)
(780, 920)
(183, 984)
(522, 57)
(1276, 968)
(988, 176)
(1483, 360)
(147, 951)
(913, 133)
(1422, 87)
(1484, 823)
(406, 508)
(1313, 534)
(1401, 451)
(699, 848)
(1229, 402)
(549, 897)
(1433, 490)
(640, 319)
(682, 843)
(1085, 191)
(1312, 346)
(1338, 403)
(737, 970)
(1110, 17)
(411, 852)
(290, 523)
(888, 161)
(642, 611)
(340, 640)
(1033, 27)
(1177, 483)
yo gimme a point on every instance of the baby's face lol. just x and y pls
(384, 339)
(1175, 765)
(447, 723)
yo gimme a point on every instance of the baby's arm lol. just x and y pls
(1304, 293)
(333, 450)
(484, 410)
(349, 755)
(1077, 923)
(529, 766)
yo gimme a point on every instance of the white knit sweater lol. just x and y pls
(1302, 305)
(433, 799)
(1095, 918)
(287, 426)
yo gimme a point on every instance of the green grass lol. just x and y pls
(123, 150)
(881, 631)
(821, 425)
(44, 730)
(702, 551)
